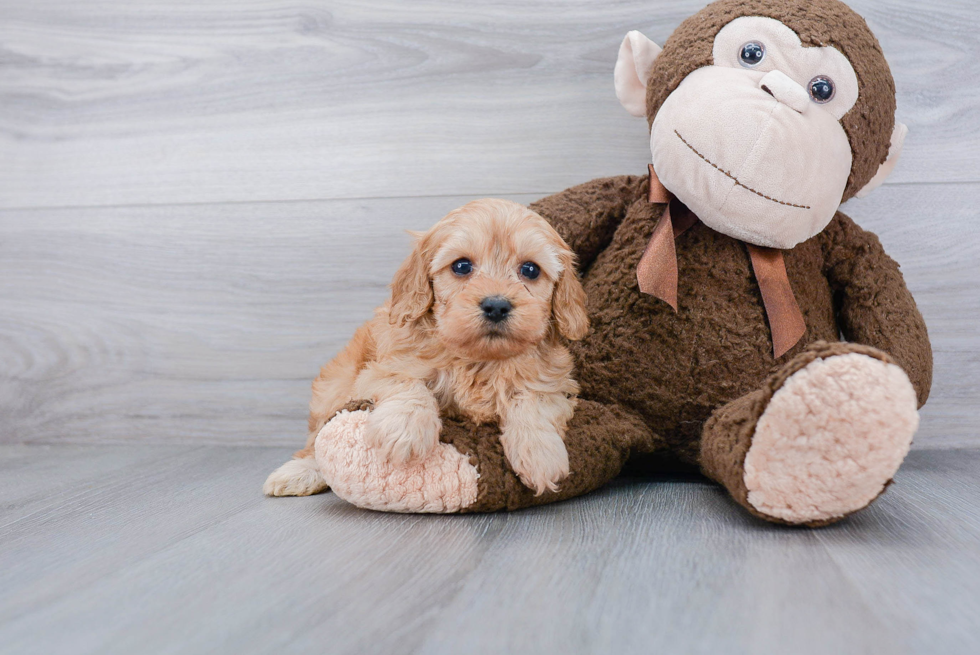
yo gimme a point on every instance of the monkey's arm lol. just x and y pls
(873, 304)
(586, 216)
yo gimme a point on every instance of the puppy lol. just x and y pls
(473, 329)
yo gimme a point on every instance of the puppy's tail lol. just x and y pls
(331, 391)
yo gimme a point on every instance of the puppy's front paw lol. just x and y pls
(402, 430)
(539, 458)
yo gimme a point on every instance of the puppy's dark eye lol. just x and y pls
(462, 267)
(822, 89)
(530, 270)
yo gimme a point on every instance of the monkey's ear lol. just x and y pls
(894, 152)
(636, 56)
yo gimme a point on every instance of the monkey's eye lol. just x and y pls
(751, 54)
(462, 266)
(530, 270)
(822, 89)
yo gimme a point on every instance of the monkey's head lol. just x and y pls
(765, 115)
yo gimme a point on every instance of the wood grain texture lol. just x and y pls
(206, 323)
(189, 322)
(107, 103)
(199, 202)
(182, 554)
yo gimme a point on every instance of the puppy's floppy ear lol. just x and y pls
(411, 289)
(568, 301)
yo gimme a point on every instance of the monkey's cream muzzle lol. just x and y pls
(753, 163)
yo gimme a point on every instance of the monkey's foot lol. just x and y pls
(443, 481)
(830, 439)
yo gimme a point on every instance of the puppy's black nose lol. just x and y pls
(495, 308)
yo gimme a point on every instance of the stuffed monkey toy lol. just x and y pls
(740, 323)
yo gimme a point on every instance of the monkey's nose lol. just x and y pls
(495, 308)
(782, 87)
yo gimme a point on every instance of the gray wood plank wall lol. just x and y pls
(200, 201)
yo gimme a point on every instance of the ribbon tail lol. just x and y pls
(657, 271)
(658, 192)
(785, 319)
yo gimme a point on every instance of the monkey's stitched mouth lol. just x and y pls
(733, 178)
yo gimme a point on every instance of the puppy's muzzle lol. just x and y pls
(496, 308)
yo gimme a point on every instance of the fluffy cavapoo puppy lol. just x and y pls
(473, 328)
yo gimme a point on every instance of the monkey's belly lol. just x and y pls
(676, 368)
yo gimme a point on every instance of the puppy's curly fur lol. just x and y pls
(435, 346)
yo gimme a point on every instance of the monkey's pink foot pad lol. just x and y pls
(443, 481)
(830, 439)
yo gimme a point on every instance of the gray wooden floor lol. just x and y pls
(157, 548)
(199, 201)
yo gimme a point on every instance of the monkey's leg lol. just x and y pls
(599, 440)
(468, 472)
(820, 440)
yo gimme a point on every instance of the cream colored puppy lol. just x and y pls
(473, 328)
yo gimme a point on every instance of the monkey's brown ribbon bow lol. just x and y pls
(657, 272)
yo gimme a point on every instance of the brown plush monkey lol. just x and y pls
(741, 324)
